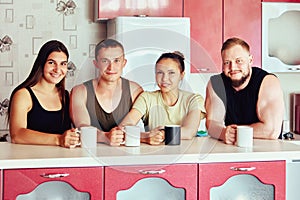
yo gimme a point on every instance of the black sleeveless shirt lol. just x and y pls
(101, 119)
(240, 105)
(42, 120)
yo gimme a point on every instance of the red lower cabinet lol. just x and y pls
(245, 180)
(178, 181)
(53, 183)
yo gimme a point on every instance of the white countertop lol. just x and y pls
(198, 150)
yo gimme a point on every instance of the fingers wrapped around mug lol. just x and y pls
(230, 134)
(157, 136)
(116, 136)
(70, 139)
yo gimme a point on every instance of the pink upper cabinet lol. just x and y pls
(108, 9)
(206, 34)
(243, 19)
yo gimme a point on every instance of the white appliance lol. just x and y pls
(145, 39)
(280, 36)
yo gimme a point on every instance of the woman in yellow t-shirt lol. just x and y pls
(169, 105)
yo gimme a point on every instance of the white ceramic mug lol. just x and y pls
(244, 136)
(132, 136)
(88, 136)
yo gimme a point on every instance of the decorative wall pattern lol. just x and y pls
(26, 25)
(4, 106)
(66, 8)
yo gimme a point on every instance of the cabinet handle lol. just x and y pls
(152, 171)
(243, 169)
(54, 175)
(203, 69)
(294, 68)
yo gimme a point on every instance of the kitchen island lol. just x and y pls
(189, 165)
(198, 150)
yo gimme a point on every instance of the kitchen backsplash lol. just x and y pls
(26, 25)
(29, 24)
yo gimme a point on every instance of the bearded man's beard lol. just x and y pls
(238, 83)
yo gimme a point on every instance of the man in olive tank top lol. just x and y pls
(243, 95)
(103, 102)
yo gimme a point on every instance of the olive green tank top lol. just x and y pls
(101, 119)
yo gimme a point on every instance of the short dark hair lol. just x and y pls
(176, 56)
(106, 43)
(235, 41)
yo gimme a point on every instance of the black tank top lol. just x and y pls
(101, 119)
(42, 120)
(240, 105)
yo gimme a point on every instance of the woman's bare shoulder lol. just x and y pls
(22, 98)
(23, 92)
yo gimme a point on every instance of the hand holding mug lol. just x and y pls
(230, 133)
(156, 136)
(69, 139)
(115, 136)
(76, 138)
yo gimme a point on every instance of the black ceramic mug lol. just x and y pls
(172, 135)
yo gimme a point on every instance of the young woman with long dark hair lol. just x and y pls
(39, 108)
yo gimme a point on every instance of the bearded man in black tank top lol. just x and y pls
(243, 95)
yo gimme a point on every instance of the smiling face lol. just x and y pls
(168, 75)
(237, 63)
(110, 62)
(55, 68)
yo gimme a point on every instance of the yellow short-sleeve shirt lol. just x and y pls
(156, 113)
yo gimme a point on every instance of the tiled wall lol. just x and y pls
(30, 23)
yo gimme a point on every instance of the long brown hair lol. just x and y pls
(38, 69)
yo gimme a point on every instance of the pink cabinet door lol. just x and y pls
(243, 19)
(206, 34)
(216, 174)
(23, 181)
(119, 178)
(108, 9)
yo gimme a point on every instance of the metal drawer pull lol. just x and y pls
(293, 68)
(54, 175)
(152, 171)
(243, 169)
